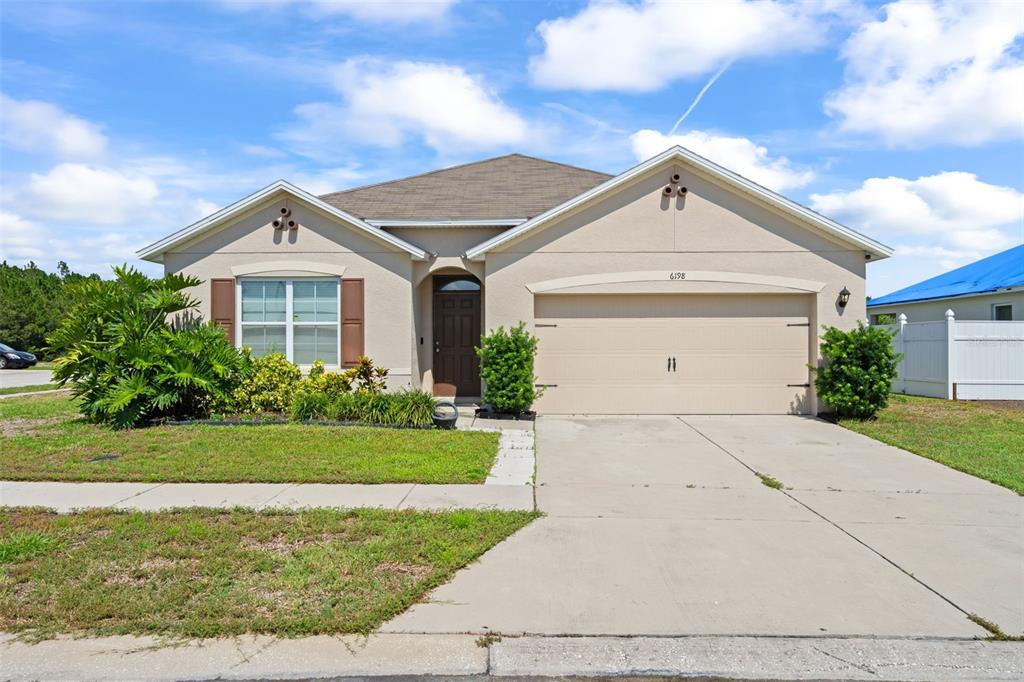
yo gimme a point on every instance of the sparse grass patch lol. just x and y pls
(769, 481)
(997, 633)
(22, 545)
(485, 641)
(45, 439)
(212, 573)
(12, 390)
(984, 439)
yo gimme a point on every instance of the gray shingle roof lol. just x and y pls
(511, 186)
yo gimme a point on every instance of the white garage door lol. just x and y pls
(673, 354)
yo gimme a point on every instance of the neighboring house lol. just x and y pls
(674, 287)
(989, 289)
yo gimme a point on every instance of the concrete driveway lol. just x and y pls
(659, 526)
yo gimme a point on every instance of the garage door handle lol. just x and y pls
(673, 364)
(799, 385)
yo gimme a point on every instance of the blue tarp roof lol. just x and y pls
(1000, 271)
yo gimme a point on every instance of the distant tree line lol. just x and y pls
(33, 302)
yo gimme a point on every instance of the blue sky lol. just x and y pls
(124, 121)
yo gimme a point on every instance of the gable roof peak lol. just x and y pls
(154, 252)
(719, 174)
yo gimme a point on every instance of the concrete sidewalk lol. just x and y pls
(66, 497)
(148, 659)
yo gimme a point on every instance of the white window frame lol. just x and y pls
(289, 323)
(992, 315)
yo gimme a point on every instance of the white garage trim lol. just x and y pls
(568, 283)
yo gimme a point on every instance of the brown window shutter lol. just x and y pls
(222, 305)
(352, 322)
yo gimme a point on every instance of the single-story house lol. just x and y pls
(989, 289)
(676, 286)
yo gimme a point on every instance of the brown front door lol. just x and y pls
(456, 335)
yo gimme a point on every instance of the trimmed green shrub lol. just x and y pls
(310, 406)
(859, 368)
(506, 366)
(128, 364)
(407, 408)
(319, 380)
(269, 386)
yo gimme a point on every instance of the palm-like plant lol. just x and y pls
(132, 352)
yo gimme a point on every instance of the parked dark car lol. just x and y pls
(15, 359)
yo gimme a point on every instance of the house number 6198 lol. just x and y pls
(677, 275)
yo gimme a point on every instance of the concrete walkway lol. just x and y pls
(147, 659)
(659, 526)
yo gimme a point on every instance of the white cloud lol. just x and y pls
(935, 72)
(262, 151)
(950, 203)
(87, 194)
(371, 11)
(33, 126)
(935, 223)
(21, 240)
(328, 180)
(614, 45)
(387, 103)
(202, 208)
(737, 154)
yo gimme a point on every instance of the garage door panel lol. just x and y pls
(738, 367)
(665, 399)
(651, 307)
(749, 356)
(746, 336)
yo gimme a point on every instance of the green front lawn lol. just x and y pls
(208, 573)
(44, 439)
(984, 439)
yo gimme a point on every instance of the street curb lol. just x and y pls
(260, 657)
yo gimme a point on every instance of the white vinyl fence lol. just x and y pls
(970, 360)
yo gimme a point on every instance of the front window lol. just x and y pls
(456, 283)
(296, 317)
(1002, 311)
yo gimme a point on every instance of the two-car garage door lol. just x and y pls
(673, 353)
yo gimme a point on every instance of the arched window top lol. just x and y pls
(456, 283)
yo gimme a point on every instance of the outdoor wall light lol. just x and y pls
(844, 297)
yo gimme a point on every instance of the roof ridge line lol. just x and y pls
(415, 175)
(560, 163)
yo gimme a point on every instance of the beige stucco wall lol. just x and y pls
(964, 307)
(711, 229)
(251, 238)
